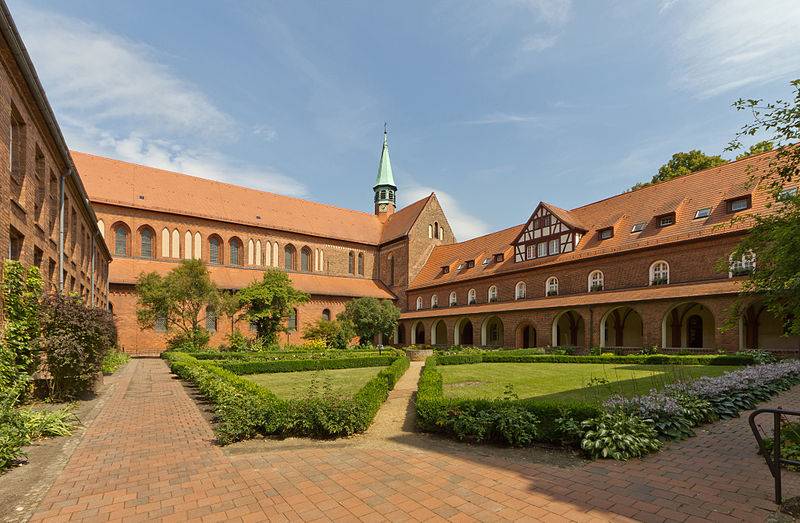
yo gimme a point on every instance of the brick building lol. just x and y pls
(151, 219)
(646, 268)
(45, 216)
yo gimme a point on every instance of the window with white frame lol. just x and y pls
(541, 249)
(743, 265)
(492, 294)
(471, 297)
(595, 281)
(659, 273)
(553, 246)
(519, 290)
(551, 287)
(419, 303)
(453, 298)
(434, 301)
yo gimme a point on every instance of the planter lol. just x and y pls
(419, 354)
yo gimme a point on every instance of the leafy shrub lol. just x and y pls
(619, 435)
(668, 416)
(113, 360)
(521, 356)
(13, 435)
(260, 367)
(760, 357)
(19, 358)
(48, 423)
(75, 339)
(195, 340)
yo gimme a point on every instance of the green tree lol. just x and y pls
(370, 317)
(335, 333)
(267, 303)
(179, 299)
(757, 148)
(19, 356)
(775, 236)
(681, 164)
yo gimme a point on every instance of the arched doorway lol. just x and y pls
(492, 332)
(526, 336)
(621, 327)
(463, 333)
(419, 333)
(568, 330)
(688, 326)
(439, 333)
(760, 329)
(400, 335)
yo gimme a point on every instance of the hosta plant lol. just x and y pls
(619, 436)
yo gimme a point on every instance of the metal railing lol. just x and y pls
(774, 461)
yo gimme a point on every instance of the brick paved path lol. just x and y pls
(149, 455)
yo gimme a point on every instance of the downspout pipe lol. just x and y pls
(61, 189)
(91, 299)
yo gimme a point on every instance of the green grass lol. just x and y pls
(113, 361)
(291, 385)
(565, 381)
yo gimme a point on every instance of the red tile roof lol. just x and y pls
(660, 292)
(684, 196)
(401, 222)
(127, 270)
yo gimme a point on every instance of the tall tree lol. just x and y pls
(683, 163)
(370, 317)
(179, 299)
(267, 303)
(757, 148)
(775, 236)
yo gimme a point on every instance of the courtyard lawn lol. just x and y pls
(565, 381)
(292, 385)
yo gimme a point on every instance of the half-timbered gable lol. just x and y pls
(549, 231)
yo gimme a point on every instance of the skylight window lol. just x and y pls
(460, 266)
(702, 213)
(788, 193)
(486, 261)
(637, 227)
(606, 233)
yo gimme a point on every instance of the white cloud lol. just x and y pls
(464, 224)
(504, 118)
(114, 98)
(730, 44)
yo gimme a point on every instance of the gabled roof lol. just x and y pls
(684, 196)
(566, 217)
(399, 224)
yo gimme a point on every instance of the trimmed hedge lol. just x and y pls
(245, 410)
(261, 367)
(281, 355)
(636, 359)
(437, 413)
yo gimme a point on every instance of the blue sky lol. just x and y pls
(493, 105)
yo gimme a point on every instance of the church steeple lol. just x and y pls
(385, 189)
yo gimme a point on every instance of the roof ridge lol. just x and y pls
(483, 236)
(228, 184)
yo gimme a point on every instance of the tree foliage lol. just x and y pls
(19, 358)
(267, 303)
(683, 163)
(775, 236)
(757, 148)
(179, 299)
(370, 317)
(335, 333)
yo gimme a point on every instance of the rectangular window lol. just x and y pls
(702, 213)
(666, 220)
(161, 324)
(553, 247)
(787, 194)
(541, 249)
(292, 323)
(606, 233)
(637, 227)
(739, 204)
(531, 251)
(16, 145)
(16, 240)
(470, 264)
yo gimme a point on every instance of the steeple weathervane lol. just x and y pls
(384, 188)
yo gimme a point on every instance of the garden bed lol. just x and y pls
(295, 385)
(244, 409)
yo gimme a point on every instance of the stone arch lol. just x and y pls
(176, 243)
(147, 242)
(621, 327)
(305, 259)
(122, 239)
(526, 336)
(492, 332)
(439, 333)
(289, 257)
(761, 329)
(418, 333)
(568, 329)
(216, 250)
(688, 325)
(235, 251)
(463, 332)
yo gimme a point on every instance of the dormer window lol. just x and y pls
(705, 212)
(637, 227)
(739, 204)
(666, 220)
(549, 232)
(445, 269)
(469, 264)
(605, 234)
(498, 257)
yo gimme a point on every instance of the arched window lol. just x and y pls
(519, 290)
(102, 227)
(391, 270)
(434, 301)
(215, 249)
(596, 281)
(251, 250)
(659, 273)
(121, 239)
(743, 265)
(471, 297)
(305, 259)
(453, 298)
(198, 246)
(211, 319)
(146, 236)
(289, 255)
(436, 230)
(326, 314)
(430, 230)
(187, 245)
(165, 243)
(236, 251)
(361, 263)
(441, 232)
(351, 263)
(267, 254)
(551, 287)
(492, 294)
(176, 244)
(291, 324)
(419, 303)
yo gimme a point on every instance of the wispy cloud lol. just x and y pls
(729, 44)
(504, 118)
(114, 97)
(464, 224)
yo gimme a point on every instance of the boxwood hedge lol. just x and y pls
(638, 359)
(245, 410)
(259, 367)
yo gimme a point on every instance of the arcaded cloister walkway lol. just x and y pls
(150, 455)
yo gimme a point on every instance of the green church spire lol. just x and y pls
(385, 189)
(385, 176)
